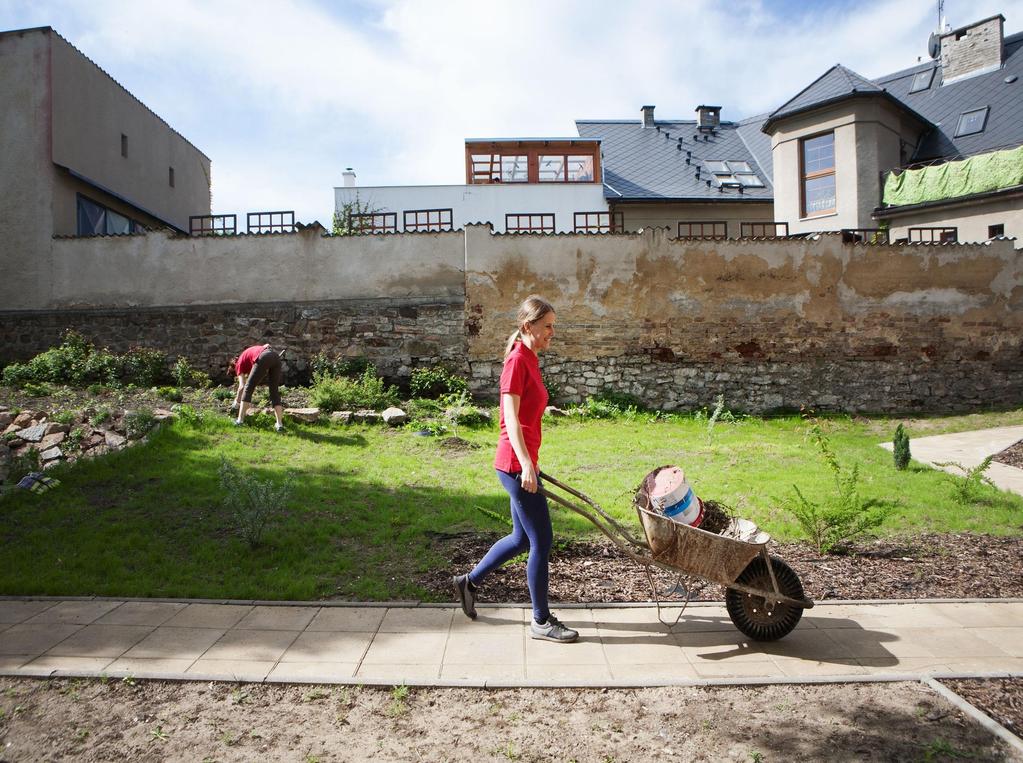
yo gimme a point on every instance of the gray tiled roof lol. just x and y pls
(834, 84)
(650, 164)
(942, 105)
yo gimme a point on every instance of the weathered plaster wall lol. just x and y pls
(770, 324)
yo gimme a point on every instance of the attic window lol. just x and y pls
(922, 80)
(733, 173)
(971, 122)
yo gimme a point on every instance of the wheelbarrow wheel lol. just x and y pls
(752, 614)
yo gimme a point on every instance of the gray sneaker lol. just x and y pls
(466, 595)
(552, 630)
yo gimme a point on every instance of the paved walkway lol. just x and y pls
(969, 449)
(437, 645)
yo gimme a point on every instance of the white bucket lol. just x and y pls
(672, 497)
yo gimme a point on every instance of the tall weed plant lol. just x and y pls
(252, 505)
(969, 487)
(339, 393)
(844, 514)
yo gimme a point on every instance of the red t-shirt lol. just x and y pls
(521, 376)
(248, 358)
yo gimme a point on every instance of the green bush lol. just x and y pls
(252, 504)
(460, 411)
(75, 436)
(137, 423)
(842, 516)
(65, 417)
(25, 462)
(17, 374)
(433, 382)
(970, 487)
(186, 376)
(173, 394)
(224, 393)
(900, 448)
(101, 416)
(331, 393)
(34, 389)
(340, 366)
(144, 367)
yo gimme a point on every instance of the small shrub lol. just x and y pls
(252, 504)
(23, 463)
(102, 367)
(190, 416)
(340, 367)
(433, 382)
(224, 393)
(101, 416)
(65, 417)
(96, 389)
(173, 394)
(844, 515)
(186, 376)
(137, 423)
(75, 436)
(330, 393)
(16, 375)
(900, 448)
(37, 389)
(970, 487)
(597, 408)
(460, 411)
(144, 367)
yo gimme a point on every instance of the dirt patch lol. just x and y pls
(458, 445)
(153, 720)
(1001, 698)
(934, 565)
(1011, 456)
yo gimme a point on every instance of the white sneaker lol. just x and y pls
(552, 630)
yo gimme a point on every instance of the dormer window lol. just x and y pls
(922, 80)
(733, 173)
(971, 122)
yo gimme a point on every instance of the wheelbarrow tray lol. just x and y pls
(716, 558)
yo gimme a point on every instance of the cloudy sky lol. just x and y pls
(282, 96)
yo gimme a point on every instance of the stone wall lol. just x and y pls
(395, 334)
(769, 324)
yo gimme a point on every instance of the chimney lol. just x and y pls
(973, 49)
(349, 177)
(708, 117)
(648, 116)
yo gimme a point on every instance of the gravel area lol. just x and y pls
(1011, 456)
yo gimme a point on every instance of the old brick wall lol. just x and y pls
(770, 324)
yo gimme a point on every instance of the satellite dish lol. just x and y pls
(934, 45)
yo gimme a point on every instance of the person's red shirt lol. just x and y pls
(248, 358)
(521, 376)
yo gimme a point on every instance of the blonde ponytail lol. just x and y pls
(533, 308)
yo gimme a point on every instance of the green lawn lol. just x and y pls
(148, 521)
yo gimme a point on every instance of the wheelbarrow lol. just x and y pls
(763, 595)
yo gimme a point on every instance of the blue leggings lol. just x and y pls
(531, 531)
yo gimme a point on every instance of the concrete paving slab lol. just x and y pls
(582, 674)
(261, 645)
(398, 673)
(488, 671)
(66, 664)
(101, 641)
(312, 672)
(980, 615)
(402, 620)
(760, 668)
(361, 619)
(145, 667)
(503, 646)
(20, 611)
(328, 646)
(655, 671)
(277, 618)
(231, 670)
(221, 616)
(34, 638)
(75, 612)
(176, 643)
(407, 648)
(141, 613)
(11, 662)
(799, 667)
(1008, 639)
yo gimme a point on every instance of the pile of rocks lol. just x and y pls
(57, 441)
(394, 417)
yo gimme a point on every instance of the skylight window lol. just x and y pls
(922, 80)
(733, 173)
(971, 122)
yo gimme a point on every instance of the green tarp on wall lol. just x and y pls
(987, 172)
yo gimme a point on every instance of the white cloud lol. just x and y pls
(283, 95)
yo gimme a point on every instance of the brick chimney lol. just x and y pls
(972, 49)
(648, 116)
(708, 117)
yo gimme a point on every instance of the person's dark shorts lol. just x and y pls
(268, 366)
